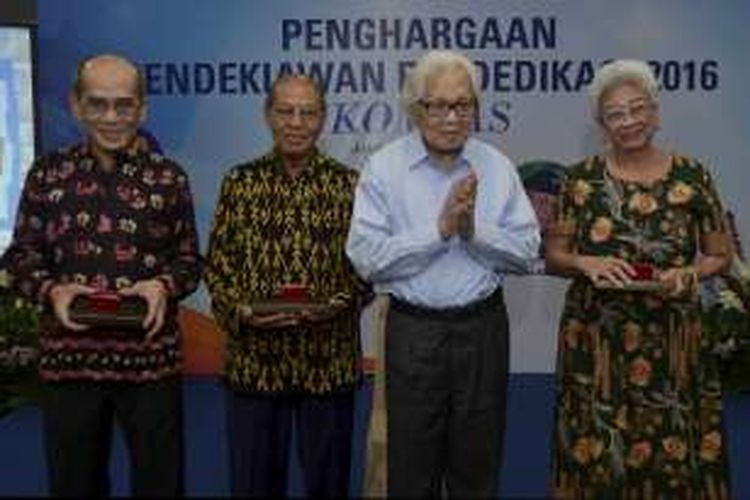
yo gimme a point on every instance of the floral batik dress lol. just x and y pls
(639, 410)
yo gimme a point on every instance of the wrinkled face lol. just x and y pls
(446, 113)
(109, 107)
(628, 116)
(295, 118)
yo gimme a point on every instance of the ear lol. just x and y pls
(322, 125)
(267, 116)
(418, 117)
(142, 113)
(604, 131)
(74, 103)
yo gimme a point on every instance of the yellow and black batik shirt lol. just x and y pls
(271, 229)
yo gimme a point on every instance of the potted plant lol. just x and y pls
(18, 351)
(726, 323)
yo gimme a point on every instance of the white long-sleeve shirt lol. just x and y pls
(394, 240)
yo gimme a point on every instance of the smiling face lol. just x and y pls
(108, 105)
(446, 112)
(295, 116)
(628, 116)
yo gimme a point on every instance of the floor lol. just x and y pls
(525, 475)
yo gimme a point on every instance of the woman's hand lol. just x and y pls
(678, 281)
(610, 270)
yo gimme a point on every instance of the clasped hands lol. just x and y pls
(457, 214)
(673, 282)
(152, 291)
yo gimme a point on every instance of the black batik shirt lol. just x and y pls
(106, 229)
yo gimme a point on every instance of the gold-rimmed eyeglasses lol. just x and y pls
(288, 113)
(123, 107)
(617, 116)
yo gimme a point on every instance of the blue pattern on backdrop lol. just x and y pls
(10, 197)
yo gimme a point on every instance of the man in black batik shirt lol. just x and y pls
(107, 215)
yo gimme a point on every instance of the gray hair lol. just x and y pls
(429, 65)
(621, 71)
(300, 77)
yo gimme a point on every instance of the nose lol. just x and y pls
(452, 114)
(110, 113)
(628, 118)
(296, 117)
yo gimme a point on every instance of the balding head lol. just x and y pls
(109, 63)
(108, 100)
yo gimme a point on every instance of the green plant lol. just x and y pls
(726, 323)
(18, 348)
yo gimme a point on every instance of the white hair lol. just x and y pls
(429, 65)
(618, 72)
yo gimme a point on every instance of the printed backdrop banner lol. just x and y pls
(209, 64)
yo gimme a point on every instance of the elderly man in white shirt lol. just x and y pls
(439, 218)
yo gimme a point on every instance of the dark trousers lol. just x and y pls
(79, 423)
(260, 430)
(446, 373)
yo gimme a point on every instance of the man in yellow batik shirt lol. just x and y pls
(281, 223)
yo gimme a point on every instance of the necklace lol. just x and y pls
(657, 171)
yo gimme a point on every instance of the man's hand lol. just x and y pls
(286, 319)
(266, 321)
(62, 296)
(467, 196)
(457, 215)
(332, 309)
(154, 292)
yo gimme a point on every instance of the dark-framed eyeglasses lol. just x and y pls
(463, 108)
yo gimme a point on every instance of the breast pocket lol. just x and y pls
(156, 221)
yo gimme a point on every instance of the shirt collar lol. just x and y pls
(82, 153)
(278, 165)
(417, 155)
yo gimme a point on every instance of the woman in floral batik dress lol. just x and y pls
(639, 410)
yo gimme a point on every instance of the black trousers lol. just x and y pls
(79, 423)
(446, 374)
(260, 435)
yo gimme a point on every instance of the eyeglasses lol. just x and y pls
(617, 116)
(463, 108)
(287, 113)
(97, 107)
